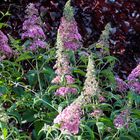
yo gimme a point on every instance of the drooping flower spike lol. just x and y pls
(122, 120)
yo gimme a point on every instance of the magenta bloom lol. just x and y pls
(69, 119)
(70, 36)
(121, 85)
(134, 79)
(122, 119)
(4, 47)
(63, 91)
(32, 28)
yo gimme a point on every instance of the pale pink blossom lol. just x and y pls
(69, 119)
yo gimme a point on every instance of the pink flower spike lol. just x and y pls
(69, 119)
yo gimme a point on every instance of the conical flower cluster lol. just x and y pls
(122, 120)
(68, 29)
(91, 87)
(4, 47)
(121, 85)
(103, 40)
(32, 28)
(63, 71)
(91, 84)
(69, 119)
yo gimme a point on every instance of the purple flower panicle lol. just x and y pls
(32, 28)
(122, 120)
(4, 47)
(70, 36)
(121, 85)
(134, 79)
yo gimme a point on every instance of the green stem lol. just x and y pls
(35, 93)
(38, 76)
(115, 135)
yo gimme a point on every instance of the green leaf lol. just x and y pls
(3, 89)
(78, 71)
(100, 126)
(53, 88)
(136, 113)
(28, 115)
(3, 25)
(106, 106)
(18, 90)
(106, 121)
(5, 133)
(32, 77)
(109, 75)
(15, 115)
(24, 56)
(110, 59)
(38, 126)
(89, 131)
(126, 138)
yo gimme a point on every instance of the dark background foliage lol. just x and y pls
(92, 16)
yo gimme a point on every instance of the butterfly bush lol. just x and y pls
(4, 47)
(69, 119)
(32, 28)
(63, 71)
(121, 85)
(68, 29)
(134, 79)
(122, 120)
